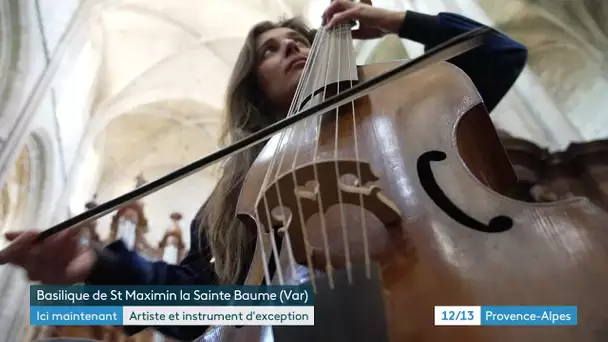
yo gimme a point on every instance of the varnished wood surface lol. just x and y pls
(555, 254)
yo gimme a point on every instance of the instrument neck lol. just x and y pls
(331, 67)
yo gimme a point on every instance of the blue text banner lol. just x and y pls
(85, 295)
(506, 315)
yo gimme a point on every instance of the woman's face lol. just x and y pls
(281, 56)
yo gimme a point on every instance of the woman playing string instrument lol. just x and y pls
(260, 92)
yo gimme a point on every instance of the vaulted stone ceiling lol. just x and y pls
(157, 135)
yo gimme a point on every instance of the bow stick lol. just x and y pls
(442, 52)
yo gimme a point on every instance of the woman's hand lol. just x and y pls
(374, 22)
(59, 260)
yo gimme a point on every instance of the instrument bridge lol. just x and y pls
(312, 189)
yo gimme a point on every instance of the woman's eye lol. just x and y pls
(267, 51)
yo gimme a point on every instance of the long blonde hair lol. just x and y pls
(247, 111)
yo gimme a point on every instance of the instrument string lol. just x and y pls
(273, 244)
(307, 249)
(340, 34)
(318, 190)
(359, 180)
(262, 193)
(313, 57)
(345, 238)
(285, 228)
(262, 249)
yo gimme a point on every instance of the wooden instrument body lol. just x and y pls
(554, 254)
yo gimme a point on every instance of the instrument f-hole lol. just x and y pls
(497, 224)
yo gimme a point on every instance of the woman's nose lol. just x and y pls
(290, 47)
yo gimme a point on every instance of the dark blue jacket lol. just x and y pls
(493, 68)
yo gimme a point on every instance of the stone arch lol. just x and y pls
(180, 131)
(151, 84)
(148, 103)
(23, 192)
